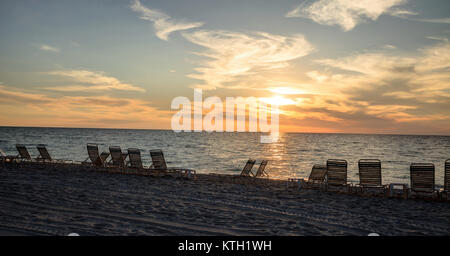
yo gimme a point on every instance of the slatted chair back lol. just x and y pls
(134, 155)
(337, 172)
(117, 156)
(447, 175)
(261, 168)
(45, 156)
(23, 152)
(158, 161)
(318, 173)
(248, 167)
(369, 172)
(422, 177)
(94, 155)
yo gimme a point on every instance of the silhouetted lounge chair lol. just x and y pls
(117, 157)
(94, 156)
(317, 177)
(134, 156)
(44, 155)
(318, 173)
(247, 170)
(23, 152)
(422, 180)
(337, 174)
(370, 176)
(445, 192)
(160, 168)
(261, 170)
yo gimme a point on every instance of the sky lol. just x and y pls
(332, 65)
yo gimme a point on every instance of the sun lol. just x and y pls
(277, 100)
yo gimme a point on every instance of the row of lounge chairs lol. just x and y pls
(334, 175)
(331, 176)
(118, 159)
(24, 155)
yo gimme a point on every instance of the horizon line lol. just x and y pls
(203, 131)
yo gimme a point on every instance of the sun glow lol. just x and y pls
(277, 100)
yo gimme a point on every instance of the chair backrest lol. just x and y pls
(337, 172)
(134, 155)
(94, 155)
(23, 152)
(262, 167)
(248, 167)
(369, 172)
(447, 175)
(422, 177)
(117, 156)
(44, 152)
(318, 173)
(159, 163)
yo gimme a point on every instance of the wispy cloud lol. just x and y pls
(233, 55)
(48, 48)
(92, 81)
(389, 46)
(163, 24)
(347, 13)
(438, 38)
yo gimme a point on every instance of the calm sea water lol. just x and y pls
(291, 157)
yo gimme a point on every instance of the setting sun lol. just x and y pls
(277, 100)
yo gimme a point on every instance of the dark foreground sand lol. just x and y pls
(59, 202)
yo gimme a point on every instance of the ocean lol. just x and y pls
(291, 157)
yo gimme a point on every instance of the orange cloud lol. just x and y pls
(31, 109)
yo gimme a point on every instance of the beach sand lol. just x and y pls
(59, 201)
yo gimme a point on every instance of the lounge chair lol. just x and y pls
(318, 174)
(95, 158)
(261, 170)
(337, 174)
(44, 155)
(422, 180)
(247, 170)
(159, 166)
(246, 173)
(317, 177)
(370, 176)
(23, 152)
(117, 157)
(134, 156)
(445, 191)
